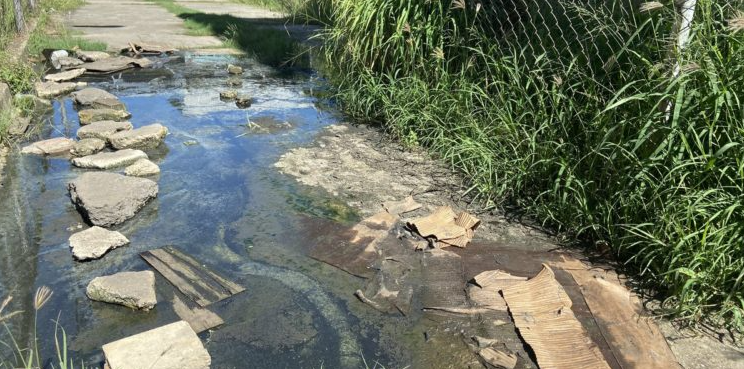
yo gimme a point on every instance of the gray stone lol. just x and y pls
(229, 95)
(142, 168)
(95, 242)
(144, 137)
(68, 62)
(91, 56)
(108, 160)
(234, 69)
(134, 290)
(5, 96)
(103, 129)
(88, 146)
(47, 90)
(243, 102)
(107, 199)
(40, 106)
(92, 97)
(88, 116)
(52, 146)
(173, 346)
(65, 76)
(18, 126)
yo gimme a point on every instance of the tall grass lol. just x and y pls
(590, 134)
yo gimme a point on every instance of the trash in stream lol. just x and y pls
(446, 227)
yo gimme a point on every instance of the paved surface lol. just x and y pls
(119, 22)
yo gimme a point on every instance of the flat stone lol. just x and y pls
(144, 137)
(91, 56)
(234, 69)
(52, 146)
(5, 96)
(68, 62)
(88, 116)
(18, 126)
(46, 90)
(142, 168)
(173, 346)
(103, 129)
(243, 102)
(107, 199)
(116, 64)
(65, 76)
(229, 95)
(108, 160)
(95, 242)
(134, 290)
(88, 146)
(92, 97)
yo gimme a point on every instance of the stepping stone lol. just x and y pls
(144, 137)
(173, 346)
(234, 69)
(68, 62)
(107, 199)
(103, 130)
(229, 95)
(46, 90)
(88, 146)
(95, 242)
(91, 56)
(108, 160)
(134, 290)
(142, 168)
(116, 64)
(88, 116)
(52, 146)
(92, 97)
(65, 76)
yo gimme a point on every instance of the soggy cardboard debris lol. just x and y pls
(542, 313)
(191, 277)
(443, 282)
(635, 340)
(200, 319)
(498, 358)
(402, 206)
(390, 290)
(446, 227)
(354, 251)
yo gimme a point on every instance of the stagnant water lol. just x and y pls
(222, 201)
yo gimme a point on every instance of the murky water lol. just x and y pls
(221, 201)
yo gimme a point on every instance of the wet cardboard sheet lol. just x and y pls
(194, 280)
(443, 283)
(200, 319)
(355, 250)
(541, 310)
(447, 227)
(391, 288)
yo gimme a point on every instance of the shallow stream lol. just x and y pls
(221, 201)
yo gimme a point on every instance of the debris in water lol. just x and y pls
(190, 277)
(401, 207)
(200, 319)
(498, 358)
(447, 227)
(542, 313)
(145, 49)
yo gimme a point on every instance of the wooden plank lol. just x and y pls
(232, 287)
(191, 275)
(200, 319)
(185, 287)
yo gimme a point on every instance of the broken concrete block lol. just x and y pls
(95, 242)
(134, 290)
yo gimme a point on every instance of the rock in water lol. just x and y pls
(87, 146)
(68, 62)
(108, 160)
(142, 168)
(92, 97)
(65, 76)
(228, 95)
(103, 129)
(173, 346)
(52, 146)
(46, 90)
(91, 56)
(134, 290)
(144, 137)
(243, 102)
(95, 242)
(107, 199)
(88, 116)
(234, 69)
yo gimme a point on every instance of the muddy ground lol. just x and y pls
(362, 167)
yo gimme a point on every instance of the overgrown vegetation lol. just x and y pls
(573, 114)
